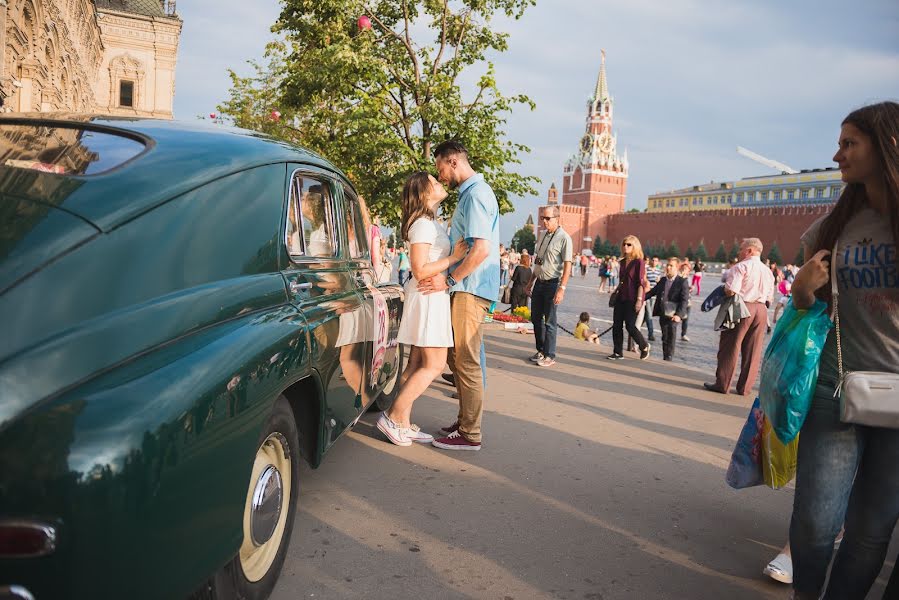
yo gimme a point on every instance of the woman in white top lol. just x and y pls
(426, 328)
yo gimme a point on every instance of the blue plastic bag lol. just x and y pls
(790, 367)
(745, 468)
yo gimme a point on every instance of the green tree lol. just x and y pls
(774, 254)
(701, 253)
(634, 210)
(734, 251)
(597, 246)
(690, 254)
(800, 256)
(391, 241)
(524, 238)
(674, 250)
(721, 254)
(376, 100)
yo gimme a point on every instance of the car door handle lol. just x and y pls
(296, 287)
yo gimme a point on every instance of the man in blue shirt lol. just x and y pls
(474, 285)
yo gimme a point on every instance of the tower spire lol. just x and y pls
(602, 89)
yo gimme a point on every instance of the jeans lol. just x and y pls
(403, 276)
(846, 474)
(625, 315)
(647, 306)
(503, 276)
(543, 316)
(683, 323)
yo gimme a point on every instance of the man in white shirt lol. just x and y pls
(754, 283)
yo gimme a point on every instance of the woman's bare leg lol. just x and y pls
(429, 367)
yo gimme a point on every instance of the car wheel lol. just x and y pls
(385, 399)
(269, 510)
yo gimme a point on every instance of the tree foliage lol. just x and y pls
(701, 253)
(690, 253)
(734, 251)
(524, 238)
(774, 254)
(800, 256)
(721, 253)
(674, 250)
(375, 101)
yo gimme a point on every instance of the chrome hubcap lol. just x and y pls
(266, 506)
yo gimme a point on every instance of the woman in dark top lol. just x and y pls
(520, 278)
(631, 293)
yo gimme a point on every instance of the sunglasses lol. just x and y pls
(627, 244)
(547, 218)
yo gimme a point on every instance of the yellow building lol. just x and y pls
(808, 187)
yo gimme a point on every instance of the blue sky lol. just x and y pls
(691, 79)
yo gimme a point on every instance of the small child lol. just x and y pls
(583, 332)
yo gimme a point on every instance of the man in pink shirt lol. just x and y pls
(754, 283)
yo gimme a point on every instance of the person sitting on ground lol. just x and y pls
(583, 332)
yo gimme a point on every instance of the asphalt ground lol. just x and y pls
(597, 480)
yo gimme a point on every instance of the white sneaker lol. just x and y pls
(546, 362)
(415, 434)
(537, 357)
(780, 569)
(394, 432)
(684, 338)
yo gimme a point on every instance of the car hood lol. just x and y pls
(33, 234)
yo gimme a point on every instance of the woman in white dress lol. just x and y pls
(426, 328)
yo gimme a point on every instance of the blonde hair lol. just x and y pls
(636, 248)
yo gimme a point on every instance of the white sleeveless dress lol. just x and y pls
(426, 317)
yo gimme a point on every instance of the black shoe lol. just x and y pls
(712, 387)
(667, 358)
(644, 353)
(614, 356)
(651, 339)
(449, 378)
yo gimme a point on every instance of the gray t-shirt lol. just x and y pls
(555, 250)
(868, 282)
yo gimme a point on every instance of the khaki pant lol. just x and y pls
(464, 360)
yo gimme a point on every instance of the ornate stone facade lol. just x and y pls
(103, 56)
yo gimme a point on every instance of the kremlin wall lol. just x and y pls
(777, 209)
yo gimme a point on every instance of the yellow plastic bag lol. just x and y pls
(778, 459)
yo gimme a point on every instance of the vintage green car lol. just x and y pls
(186, 312)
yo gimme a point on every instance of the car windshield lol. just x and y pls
(66, 150)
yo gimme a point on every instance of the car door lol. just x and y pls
(324, 289)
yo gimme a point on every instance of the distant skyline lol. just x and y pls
(691, 80)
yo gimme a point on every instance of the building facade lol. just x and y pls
(594, 179)
(97, 56)
(810, 187)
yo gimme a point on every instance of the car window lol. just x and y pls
(355, 227)
(310, 230)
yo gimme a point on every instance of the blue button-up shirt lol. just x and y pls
(477, 217)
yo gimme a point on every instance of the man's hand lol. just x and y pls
(433, 284)
(676, 319)
(560, 295)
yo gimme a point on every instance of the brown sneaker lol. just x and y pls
(456, 441)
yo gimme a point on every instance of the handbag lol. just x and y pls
(613, 297)
(866, 397)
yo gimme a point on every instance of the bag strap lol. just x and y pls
(835, 298)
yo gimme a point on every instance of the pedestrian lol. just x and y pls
(473, 285)
(584, 260)
(785, 288)
(685, 270)
(629, 297)
(552, 268)
(582, 330)
(754, 284)
(673, 292)
(654, 274)
(521, 278)
(614, 272)
(604, 265)
(503, 265)
(425, 328)
(403, 267)
(844, 469)
(698, 268)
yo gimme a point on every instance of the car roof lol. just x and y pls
(180, 156)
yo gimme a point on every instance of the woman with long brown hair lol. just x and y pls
(848, 471)
(521, 276)
(426, 328)
(631, 293)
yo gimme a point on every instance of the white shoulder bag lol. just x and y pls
(866, 397)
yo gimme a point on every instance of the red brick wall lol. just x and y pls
(782, 225)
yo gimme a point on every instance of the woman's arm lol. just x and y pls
(422, 269)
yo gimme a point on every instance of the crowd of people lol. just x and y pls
(847, 484)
